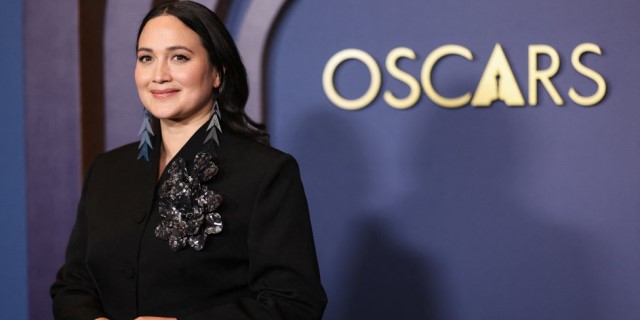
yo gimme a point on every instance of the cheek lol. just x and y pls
(188, 77)
(196, 76)
(140, 78)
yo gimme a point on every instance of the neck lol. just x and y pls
(175, 135)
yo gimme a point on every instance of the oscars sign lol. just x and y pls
(496, 83)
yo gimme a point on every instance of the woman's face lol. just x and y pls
(173, 75)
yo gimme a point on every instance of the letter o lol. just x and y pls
(329, 72)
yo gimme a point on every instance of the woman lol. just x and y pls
(202, 221)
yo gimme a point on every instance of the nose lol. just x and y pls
(161, 73)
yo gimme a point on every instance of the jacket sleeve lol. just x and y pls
(283, 265)
(73, 292)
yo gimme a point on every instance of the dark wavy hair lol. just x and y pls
(233, 92)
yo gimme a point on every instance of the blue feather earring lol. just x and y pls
(214, 122)
(145, 139)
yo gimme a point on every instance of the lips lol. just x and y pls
(164, 94)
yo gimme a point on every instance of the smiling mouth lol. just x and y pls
(163, 94)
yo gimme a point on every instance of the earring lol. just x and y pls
(214, 122)
(145, 140)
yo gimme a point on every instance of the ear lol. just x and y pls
(216, 78)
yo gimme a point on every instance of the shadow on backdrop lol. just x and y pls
(502, 258)
(368, 273)
(386, 279)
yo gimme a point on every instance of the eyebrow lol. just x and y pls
(172, 48)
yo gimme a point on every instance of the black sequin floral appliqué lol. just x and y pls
(187, 206)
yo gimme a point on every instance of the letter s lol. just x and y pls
(589, 73)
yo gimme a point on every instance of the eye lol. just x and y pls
(180, 57)
(144, 58)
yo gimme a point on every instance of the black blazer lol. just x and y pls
(261, 266)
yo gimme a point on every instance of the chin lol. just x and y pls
(163, 111)
(169, 116)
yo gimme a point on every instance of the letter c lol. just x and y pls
(427, 69)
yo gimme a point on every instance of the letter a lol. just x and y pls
(497, 82)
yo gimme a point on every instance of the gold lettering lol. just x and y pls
(329, 72)
(544, 76)
(396, 72)
(497, 82)
(427, 69)
(589, 73)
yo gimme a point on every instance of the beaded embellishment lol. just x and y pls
(187, 207)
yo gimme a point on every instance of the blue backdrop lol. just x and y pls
(13, 275)
(469, 213)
